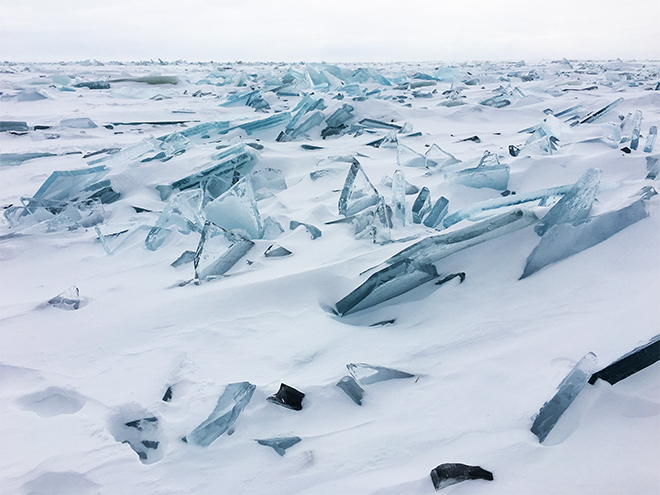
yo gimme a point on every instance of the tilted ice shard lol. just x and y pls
(630, 363)
(230, 404)
(287, 397)
(280, 444)
(596, 115)
(275, 251)
(650, 139)
(652, 167)
(387, 283)
(13, 125)
(272, 229)
(388, 141)
(449, 474)
(236, 209)
(637, 127)
(128, 155)
(114, 237)
(185, 258)
(436, 247)
(274, 120)
(143, 437)
(13, 159)
(437, 157)
(437, 213)
(611, 132)
(489, 173)
(575, 205)
(358, 192)
(183, 211)
(218, 251)
(382, 222)
(292, 133)
(366, 374)
(377, 124)
(337, 121)
(266, 180)
(498, 101)
(315, 232)
(407, 157)
(399, 196)
(68, 185)
(567, 391)
(352, 389)
(422, 205)
(564, 240)
(68, 300)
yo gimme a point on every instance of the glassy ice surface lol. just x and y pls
(30, 95)
(287, 397)
(267, 179)
(564, 240)
(352, 389)
(630, 363)
(650, 139)
(575, 205)
(336, 123)
(378, 124)
(498, 101)
(114, 237)
(382, 222)
(388, 141)
(128, 155)
(13, 159)
(436, 247)
(230, 405)
(489, 173)
(366, 374)
(567, 391)
(449, 474)
(399, 196)
(280, 444)
(637, 127)
(386, 180)
(599, 113)
(358, 192)
(272, 229)
(183, 211)
(387, 283)
(437, 213)
(68, 185)
(407, 157)
(315, 232)
(437, 157)
(218, 251)
(236, 209)
(68, 300)
(422, 205)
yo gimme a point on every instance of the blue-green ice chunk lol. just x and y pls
(407, 157)
(68, 184)
(437, 213)
(183, 211)
(358, 192)
(352, 389)
(399, 196)
(489, 173)
(366, 374)
(280, 444)
(237, 209)
(650, 139)
(422, 205)
(218, 251)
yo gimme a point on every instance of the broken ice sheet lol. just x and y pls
(358, 192)
(385, 284)
(218, 251)
(352, 389)
(230, 405)
(68, 300)
(280, 444)
(599, 113)
(422, 205)
(366, 374)
(68, 185)
(489, 173)
(567, 391)
(183, 211)
(407, 157)
(630, 363)
(236, 209)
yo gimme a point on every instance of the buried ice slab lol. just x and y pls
(142, 435)
(272, 229)
(599, 113)
(185, 258)
(637, 127)
(113, 237)
(68, 185)
(449, 474)
(267, 180)
(13, 125)
(218, 251)
(280, 444)
(399, 196)
(387, 283)
(422, 205)
(567, 391)
(183, 211)
(315, 232)
(236, 209)
(366, 374)
(437, 157)
(630, 363)
(437, 213)
(650, 139)
(275, 251)
(68, 300)
(358, 192)
(287, 397)
(407, 157)
(230, 404)
(489, 173)
(564, 240)
(575, 205)
(352, 389)
(79, 123)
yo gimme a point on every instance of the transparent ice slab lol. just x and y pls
(218, 251)
(449, 474)
(630, 363)
(564, 240)
(230, 405)
(650, 139)
(352, 389)
(236, 209)
(79, 123)
(386, 180)
(274, 120)
(367, 374)
(68, 185)
(437, 213)
(377, 124)
(399, 196)
(130, 154)
(340, 116)
(567, 391)
(13, 159)
(437, 157)
(385, 284)
(266, 181)
(575, 205)
(489, 173)
(182, 211)
(68, 300)
(407, 157)
(272, 229)
(599, 113)
(114, 237)
(652, 167)
(422, 205)
(637, 127)
(13, 125)
(280, 444)
(358, 192)
(315, 232)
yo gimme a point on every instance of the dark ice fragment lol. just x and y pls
(93, 85)
(150, 444)
(594, 116)
(451, 276)
(437, 213)
(383, 323)
(68, 300)
(309, 147)
(377, 124)
(352, 389)
(167, 397)
(626, 150)
(449, 474)
(12, 125)
(13, 159)
(287, 397)
(513, 150)
(630, 363)
(280, 444)
(474, 139)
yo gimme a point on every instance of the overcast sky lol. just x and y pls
(331, 30)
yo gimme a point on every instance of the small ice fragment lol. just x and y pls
(650, 139)
(79, 123)
(387, 283)
(449, 474)
(382, 222)
(287, 397)
(498, 101)
(218, 251)
(352, 389)
(630, 363)
(489, 173)
(611, 132)
(567, 391)
(652, 167)
(575, 205)
(366, 374)
(272, 229)
(437, 213)
(185, 258)
(422, 205)
(310, 147)
(407, 157)
(230, 404)
(399, 196)
(377, 124)
(474, 139)
(358, 192)
(275, 251)
(315, 232)
(141, 435)
(13, 159)
(236, 209)
(68, 300)
(388, 141)
(167, 396)
(437, 157)
(514, 150)
(386, 180)
(13, 125)
(637, 127)
(280, 444)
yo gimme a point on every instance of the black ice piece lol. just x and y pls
(287, 397)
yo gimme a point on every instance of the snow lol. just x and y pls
(486, 353)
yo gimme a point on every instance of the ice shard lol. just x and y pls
(13, 125)
(650, 139)
(437, 157)
(567, 391)
(422, 205)
(637, 127)
(13, 159)
(79, 123)
(287, 397)
(366, 374)
(630, 363)
(386, 180)
(114, 237)
(611, 133)
(280, 444)
(185, 258)
(274, 120)
(377, 124)
(272, 229)
(449, 474)
(68, 300)
(218, 251)
(352, 389)
(68, 185)
(275, 251)
(407, 157)
(142, 436)
(236, 209)
(498, 101)
(266, 181)
(575, 205)
(437, 213)
(399, 196)
(336, 123)
(388, 141)
(230, 405)
(358, 192)
(183, 211)
(489, 173)
(315, 232)
(564, 240)
(387, 283)
(382, 222)
(596, 115)
(652, 167)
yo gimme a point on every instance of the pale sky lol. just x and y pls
(331, 30)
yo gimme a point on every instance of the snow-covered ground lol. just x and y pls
(486, 353)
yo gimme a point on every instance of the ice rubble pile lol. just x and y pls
(218, 181)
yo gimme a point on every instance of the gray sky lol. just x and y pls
(330, 30)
